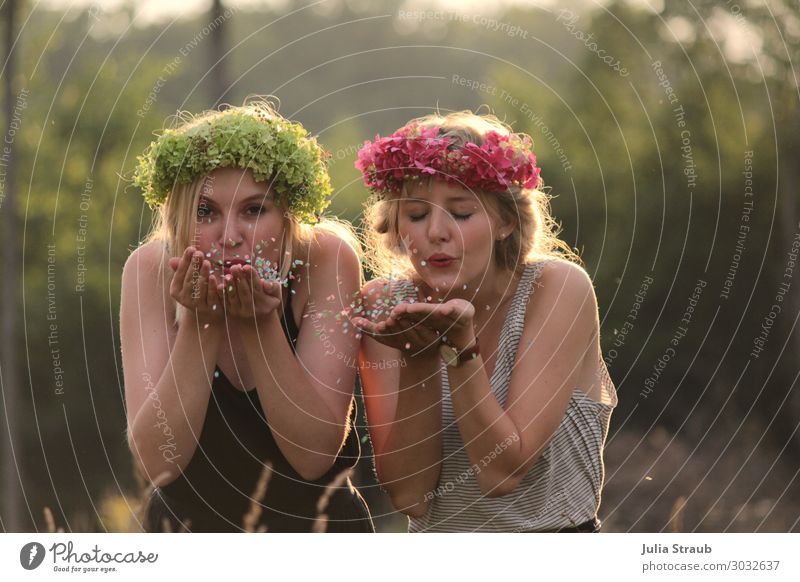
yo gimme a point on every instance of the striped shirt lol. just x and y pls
(562, 489)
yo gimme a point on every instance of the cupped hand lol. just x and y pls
(452, 320)
(193, 285)
(248, 296)
(418, 341)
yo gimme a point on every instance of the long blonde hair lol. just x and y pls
(534, 237)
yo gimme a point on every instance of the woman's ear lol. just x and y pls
(505, 228)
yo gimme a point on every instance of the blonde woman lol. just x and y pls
(238, 414)
(496, 415)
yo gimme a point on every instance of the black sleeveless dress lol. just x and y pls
(216, 489)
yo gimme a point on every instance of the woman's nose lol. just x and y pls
(438, 225)
(232, 236)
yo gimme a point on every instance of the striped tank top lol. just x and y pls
(563, 487)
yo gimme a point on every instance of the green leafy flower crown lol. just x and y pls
(278, 152)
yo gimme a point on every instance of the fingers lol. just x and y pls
(205, 271)
(192, 271)
(213, 298)
(244, 291)
(231, 297)
(180, 273)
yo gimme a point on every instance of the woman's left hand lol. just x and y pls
(452, 319)
(248, 296)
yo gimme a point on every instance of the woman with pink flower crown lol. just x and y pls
(487, 397)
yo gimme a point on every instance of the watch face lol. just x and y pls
(449, 355)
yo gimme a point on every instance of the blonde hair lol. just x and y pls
(175, 221)
(534, 237)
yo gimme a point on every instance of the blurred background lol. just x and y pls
(668, 135)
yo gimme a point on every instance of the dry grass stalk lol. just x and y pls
(676, 515)
(254, 512)
(51, 522)
(321, 523)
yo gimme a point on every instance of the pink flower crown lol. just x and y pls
(500, 162)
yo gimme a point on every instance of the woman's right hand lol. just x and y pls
(412, 338)
(193, 285)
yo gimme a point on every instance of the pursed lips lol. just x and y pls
(440, 260)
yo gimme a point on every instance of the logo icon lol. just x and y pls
(31, 555)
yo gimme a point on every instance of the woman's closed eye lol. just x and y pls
(456, 215)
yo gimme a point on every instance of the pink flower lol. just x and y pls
(500, 162)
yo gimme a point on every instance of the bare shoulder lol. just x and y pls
(564, 287)
(146, 277)
(330, 244)
(147, 260)
(328, 252)
(566, 273)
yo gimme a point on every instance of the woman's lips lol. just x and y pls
(440, 261)
(228, 263)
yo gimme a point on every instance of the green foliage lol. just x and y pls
(278, 151)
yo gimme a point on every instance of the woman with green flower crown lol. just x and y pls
(239, 392)
(496, 415)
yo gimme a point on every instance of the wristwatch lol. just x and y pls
(454, 358)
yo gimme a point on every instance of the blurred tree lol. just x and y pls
(218, 57)
(13, 474)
